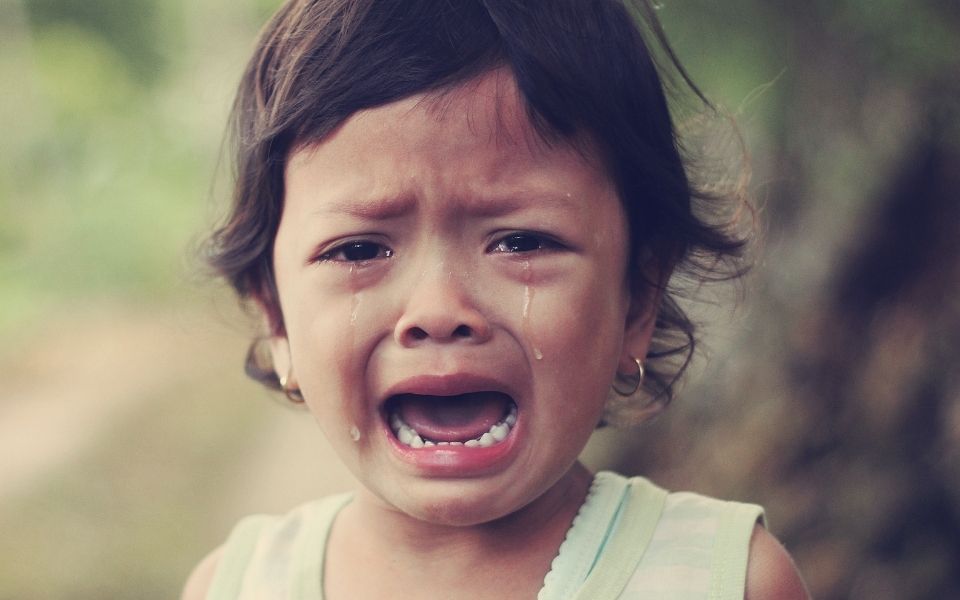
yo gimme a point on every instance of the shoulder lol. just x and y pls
(260, 545)
(771, 574)
(198, 583)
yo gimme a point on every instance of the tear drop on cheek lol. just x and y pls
(525, 272)
(355, 434)
(355, 299)
(354, 308)
(526, 276)
(525, 311)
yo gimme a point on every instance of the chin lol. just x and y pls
(461, 504)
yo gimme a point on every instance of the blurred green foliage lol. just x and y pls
(141, 31)
(107, 161)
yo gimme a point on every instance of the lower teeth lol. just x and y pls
(408, 436)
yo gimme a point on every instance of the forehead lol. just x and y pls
(484, 119)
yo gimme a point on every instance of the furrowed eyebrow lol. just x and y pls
(501, 204)
(505, 204)
(372, 209)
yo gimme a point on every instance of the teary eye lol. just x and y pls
(356, 251)
(523, 242)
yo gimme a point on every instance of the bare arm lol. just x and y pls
(202, 576)
(771, 574)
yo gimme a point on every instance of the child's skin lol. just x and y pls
(436, 245)
(447, 187)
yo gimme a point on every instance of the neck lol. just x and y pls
(521, 545)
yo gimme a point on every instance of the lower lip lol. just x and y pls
(456, 461)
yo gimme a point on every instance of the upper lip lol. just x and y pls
(446, 385)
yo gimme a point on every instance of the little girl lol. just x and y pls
(459, 219)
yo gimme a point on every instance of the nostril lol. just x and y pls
(418, 334)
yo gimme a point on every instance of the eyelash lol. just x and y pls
(543, 243)
(341, 253)
(507, 244)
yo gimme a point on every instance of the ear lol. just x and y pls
(277, 342)
(280, 357)
(640, 323)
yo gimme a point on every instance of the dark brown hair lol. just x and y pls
(582, 68)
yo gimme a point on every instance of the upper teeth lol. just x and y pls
(496, 434)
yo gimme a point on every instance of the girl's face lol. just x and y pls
(445, 276)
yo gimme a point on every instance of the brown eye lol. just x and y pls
(357, 251)
(523, 242)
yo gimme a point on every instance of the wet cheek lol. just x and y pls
(332, 377)
(531, 336)
(580, 328)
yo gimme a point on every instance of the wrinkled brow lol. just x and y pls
(383, 208)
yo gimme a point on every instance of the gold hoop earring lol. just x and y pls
(632, 382)
(292, 393)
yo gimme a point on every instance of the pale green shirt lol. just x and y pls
(630, 540)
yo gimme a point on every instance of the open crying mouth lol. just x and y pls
(475, 419)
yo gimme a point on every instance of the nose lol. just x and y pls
(441, 309)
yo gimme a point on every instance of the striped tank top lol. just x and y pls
(630, 540)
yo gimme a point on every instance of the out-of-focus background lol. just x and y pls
(130, 440)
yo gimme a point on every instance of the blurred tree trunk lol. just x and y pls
(850, 432)
(839, 408)
(874, 388)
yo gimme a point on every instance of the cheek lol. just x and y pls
(580, 333)
(326, 336)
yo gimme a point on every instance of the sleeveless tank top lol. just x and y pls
(630, 540)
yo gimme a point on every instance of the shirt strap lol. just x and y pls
(228, 579)
(732, 550)
(633, 529)
(306, 579)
